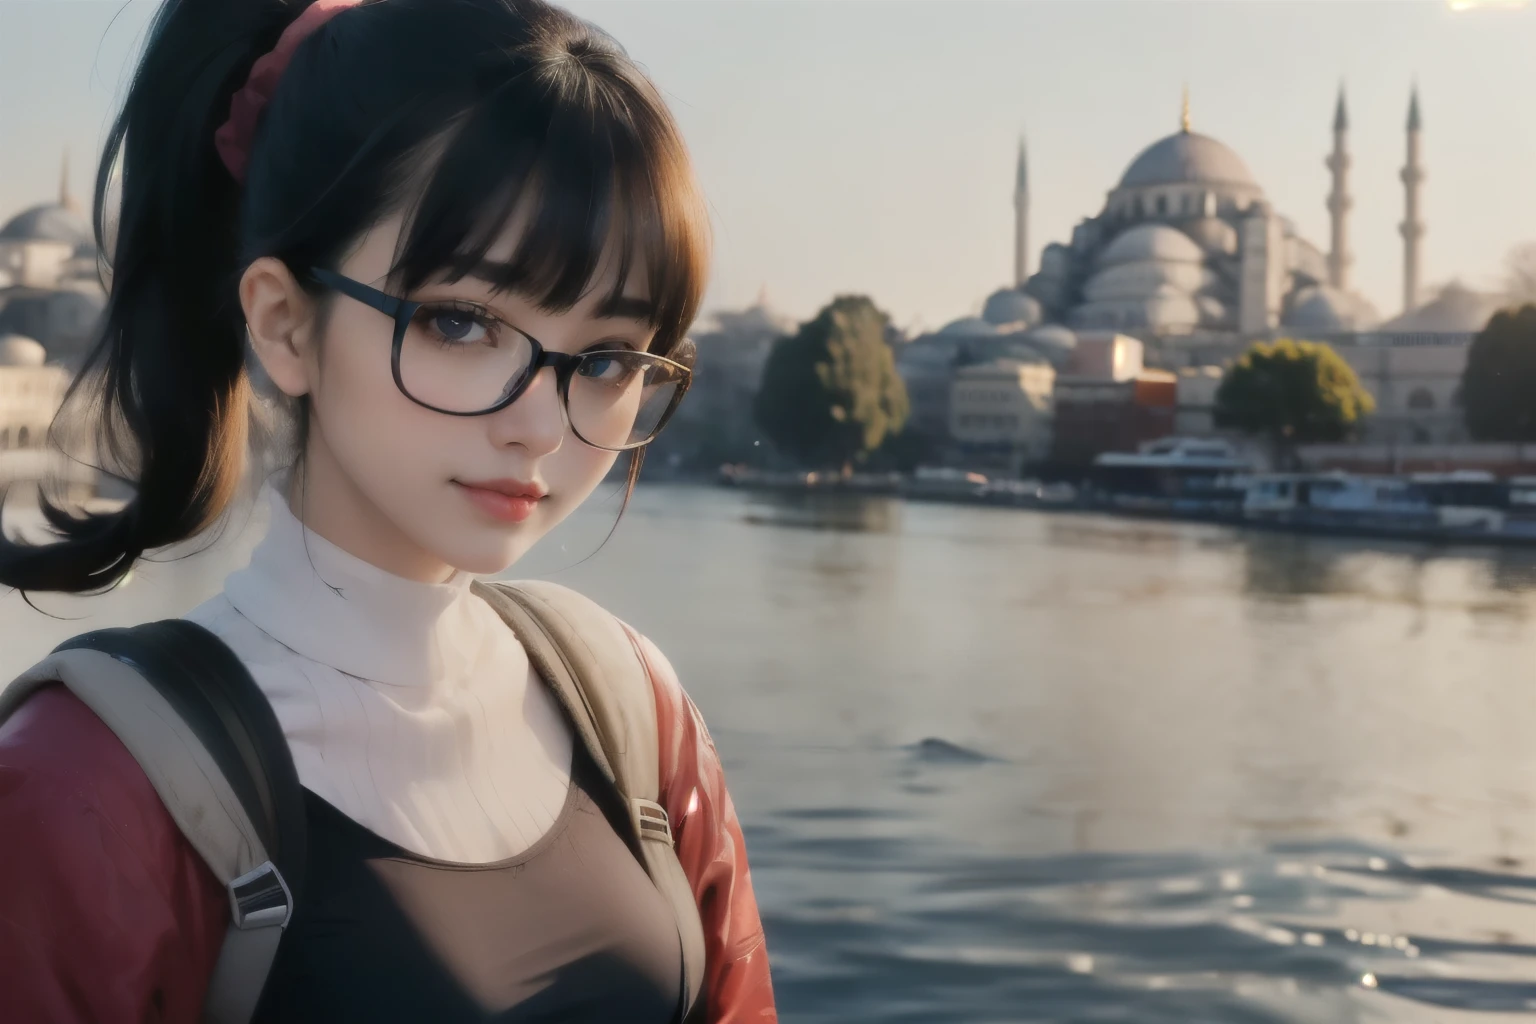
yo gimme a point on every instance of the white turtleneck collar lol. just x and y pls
(409, 706)
(338, 610)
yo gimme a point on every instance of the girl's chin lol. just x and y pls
(499, 548)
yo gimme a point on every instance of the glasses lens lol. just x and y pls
(461, 360)
(620, 399)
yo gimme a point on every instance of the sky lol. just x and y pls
(868, 146)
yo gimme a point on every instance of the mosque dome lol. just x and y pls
(1148, 277)
(1151, 242)
(19, 350)
(1011, 306)
(1187, 158)
(1456, 309)
(1213, 234)
(1168, 310)
(969, 327)
(48, 222)
(1054, 341)
(1325, 308)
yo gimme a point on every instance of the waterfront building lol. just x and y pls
(1195, 400)
(1001, 412)
(1094, 415)
(30, 392)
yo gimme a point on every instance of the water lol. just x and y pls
(1004, 766)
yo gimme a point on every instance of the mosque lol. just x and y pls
(1189, 256)
(51, 299)
(50, 281)
(1187, 248)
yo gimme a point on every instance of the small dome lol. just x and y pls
(48, 223)
(1167, 311)
(1151, 242)
(1456, 309)
(1146, 278)
(758, 319)
(1213, 234)
(1325, 308)
(19, 350)
(969, 326)
(1187, 157)
(1052, 336)
(1011, 306)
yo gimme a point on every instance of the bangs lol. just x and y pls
(580, 157)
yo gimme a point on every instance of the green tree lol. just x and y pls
(830, 393)
(1292, 393)
(1498, 387)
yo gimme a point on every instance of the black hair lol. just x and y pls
(455, 113)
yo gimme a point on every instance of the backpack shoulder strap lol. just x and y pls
(207, 739)
(590, 662)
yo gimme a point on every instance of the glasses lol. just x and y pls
(460, 359)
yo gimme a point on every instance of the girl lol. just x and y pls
(463, 240)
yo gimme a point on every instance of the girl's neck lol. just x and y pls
(329, 504)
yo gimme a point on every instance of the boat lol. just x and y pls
(1343, 503)
(942, 483)
(1183, 476)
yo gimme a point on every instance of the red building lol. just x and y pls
(1094, 416)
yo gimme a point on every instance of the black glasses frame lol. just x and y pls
(565, 365)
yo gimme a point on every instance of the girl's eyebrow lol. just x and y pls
(618, 307)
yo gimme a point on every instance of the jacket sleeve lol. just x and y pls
(107, 914)
(737, 985)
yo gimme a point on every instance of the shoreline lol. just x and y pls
(1315, 525)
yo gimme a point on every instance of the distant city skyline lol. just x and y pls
(870, 147)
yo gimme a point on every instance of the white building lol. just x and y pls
(1195, 412)
(1001, 411)
(30, 392)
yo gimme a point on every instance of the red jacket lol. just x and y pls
(108, 916)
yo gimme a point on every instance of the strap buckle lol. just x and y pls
(260, 898)
(651, 820)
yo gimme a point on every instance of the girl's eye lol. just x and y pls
(609, 369)
(456, 326)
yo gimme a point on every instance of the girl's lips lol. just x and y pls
(499, 505)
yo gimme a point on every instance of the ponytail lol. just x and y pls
(164, 388)
(451, 112)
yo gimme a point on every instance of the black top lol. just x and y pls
(572, 930)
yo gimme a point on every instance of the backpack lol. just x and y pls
(192, 716)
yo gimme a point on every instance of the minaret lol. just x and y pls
(1184, 112)
(1412, 227)
(1339, 202)
(1021, 220)
(65, 199)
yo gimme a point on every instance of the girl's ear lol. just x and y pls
(281, 319)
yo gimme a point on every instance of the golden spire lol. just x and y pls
(1184, 114)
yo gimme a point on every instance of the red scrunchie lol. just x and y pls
(234, 137)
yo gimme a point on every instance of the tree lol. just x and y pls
(830, 393)
(1293, 393)
(1520, 273)
(1499, 383)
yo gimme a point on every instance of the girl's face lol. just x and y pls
(393, 482)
